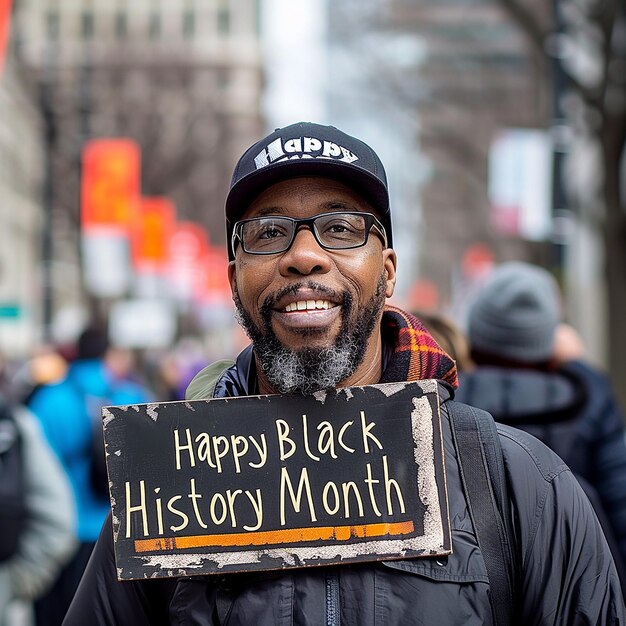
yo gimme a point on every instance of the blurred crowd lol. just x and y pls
(517, 358)
(52, 456)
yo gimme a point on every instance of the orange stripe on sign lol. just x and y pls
(273, 537)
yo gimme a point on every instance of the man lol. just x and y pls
(309, 227)
(531, 374)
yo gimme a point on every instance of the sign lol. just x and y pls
(10, 310)
(106, 262)
(217, 287)
(189, 246)
(274, 482)
(478, 260)
(143, 323)
(151, 234)
(5, 17)
(520, 183)
(110, 185)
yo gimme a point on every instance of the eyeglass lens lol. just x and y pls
(333, 230)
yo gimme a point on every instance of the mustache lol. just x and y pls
(271, 300)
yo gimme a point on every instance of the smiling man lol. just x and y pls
(312, 264)
(303, 287)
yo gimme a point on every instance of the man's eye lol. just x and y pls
(340, 227)
(270, 233)
(337, 228)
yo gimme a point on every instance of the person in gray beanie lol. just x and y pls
(512, 326)
(516, 313)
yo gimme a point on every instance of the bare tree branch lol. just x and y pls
(528, 23)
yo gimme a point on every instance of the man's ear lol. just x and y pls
(389, 264)
(232, 278)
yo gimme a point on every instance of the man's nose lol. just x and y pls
(305, 256)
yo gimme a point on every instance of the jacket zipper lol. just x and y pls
(333, 616)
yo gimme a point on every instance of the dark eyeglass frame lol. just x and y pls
(371, 222)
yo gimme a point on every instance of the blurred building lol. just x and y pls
(545, 83)
(480, 77)
(183, 79)
(441, 79)
(21, 174)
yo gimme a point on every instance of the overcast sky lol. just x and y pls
(294, 34)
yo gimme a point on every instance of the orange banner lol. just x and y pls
(217, 286)
(111, 183)
(152, 232)
(5, 18)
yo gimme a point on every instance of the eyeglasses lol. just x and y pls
(332, 231)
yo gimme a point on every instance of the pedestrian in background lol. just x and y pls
(46, 538)
(44, 367)
(70, 413)
(531, 374)
(450, 337)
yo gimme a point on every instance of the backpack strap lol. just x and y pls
(482, 474)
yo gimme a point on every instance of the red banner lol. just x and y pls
(111, 184)
(217, 286)
(151, 234)
(5, 17)
(189, 243)
(189, 247)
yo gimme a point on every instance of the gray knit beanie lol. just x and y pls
(516, 314)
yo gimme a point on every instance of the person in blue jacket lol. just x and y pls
(69, 412)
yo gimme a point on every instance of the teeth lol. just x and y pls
(308, 305)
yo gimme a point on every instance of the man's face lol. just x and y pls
(318, 309)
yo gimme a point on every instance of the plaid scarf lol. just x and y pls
(416, 355)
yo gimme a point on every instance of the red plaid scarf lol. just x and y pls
(416, 355)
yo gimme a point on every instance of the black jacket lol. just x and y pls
(566, 573)
(574, 412)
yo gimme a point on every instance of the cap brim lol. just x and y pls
(244, 191)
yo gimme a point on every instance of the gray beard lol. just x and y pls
(308, 370)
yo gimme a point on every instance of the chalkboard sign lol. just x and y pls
(272, 482)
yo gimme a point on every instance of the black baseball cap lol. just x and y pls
(307, 149)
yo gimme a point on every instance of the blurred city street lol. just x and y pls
(501, 123)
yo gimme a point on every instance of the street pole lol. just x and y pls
(47, 241)
(97, 307)
(560, 211)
